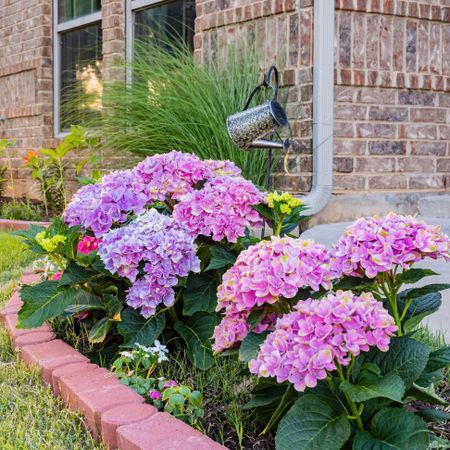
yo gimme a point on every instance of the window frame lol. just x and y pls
(59, 28)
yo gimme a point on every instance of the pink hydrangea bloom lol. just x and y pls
(233, 328)
(223, 168)
(172, 174)
(88, 244)
(273, 269)
(378, 244)
(222, 208)
(308, 342)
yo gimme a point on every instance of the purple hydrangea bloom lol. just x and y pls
(379, 244)
(160, 247)
(309, 342)
(222, 208)
(101, 205)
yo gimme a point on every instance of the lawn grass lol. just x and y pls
(31, 418)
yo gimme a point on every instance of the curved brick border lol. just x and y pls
(15, 225)
(113, 412)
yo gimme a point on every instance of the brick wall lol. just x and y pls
(25, 82)
(392, 96)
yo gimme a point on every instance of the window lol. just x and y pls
(77, 61)
(150, 20)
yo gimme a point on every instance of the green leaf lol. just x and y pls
(391, 386)
(406, 357)
(250, 346)
(425, 394)
(137, 329)
(44, 301)
(100, 330)
(433, 415)
(113, 305)
(197, 332)
(200, 294)
(311, 424)
(419, 308)
(414, 275)
(267, 393)
(220, 258)
(439, 359)
(76, 274)
(84, 301)
(393, 429)
(421, 291)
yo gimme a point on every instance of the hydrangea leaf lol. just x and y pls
(100, 330)
(439, 359)
(197, 332)
(312, 424)
(390, 386)
(200, 294)
(137, 329)
(250, 346)
(76, 274)
(44, 301)
(220, 258)
(419, 308)
(411, 276)
(425, 394)
(406, 357)
(393, 429)
(433, 415)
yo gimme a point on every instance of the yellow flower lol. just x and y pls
(286, 201)
(285, 209)
(50, 244)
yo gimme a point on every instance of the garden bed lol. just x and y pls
(112, 411)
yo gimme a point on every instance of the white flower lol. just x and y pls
(127, 354)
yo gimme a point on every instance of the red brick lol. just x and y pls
(30, 278)
(77, 369)
(11, 324)
(122, 415)
(94, 394)
(33, 338)
(163, 432)
(388, 182)
(69, 384)
(50, 355)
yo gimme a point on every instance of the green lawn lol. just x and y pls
(31, 418)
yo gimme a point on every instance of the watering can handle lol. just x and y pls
(266, 83)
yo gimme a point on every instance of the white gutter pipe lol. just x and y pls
(323, 101)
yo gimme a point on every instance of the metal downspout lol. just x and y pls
(323, 101)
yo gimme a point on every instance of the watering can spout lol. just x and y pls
(261, 143)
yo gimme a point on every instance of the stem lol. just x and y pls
(391, 294)
(353, 408)
(277, 230)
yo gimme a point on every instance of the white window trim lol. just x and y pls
(59, 28)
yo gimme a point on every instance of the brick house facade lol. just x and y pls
(391, 88)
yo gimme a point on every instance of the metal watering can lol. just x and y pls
(246, 128)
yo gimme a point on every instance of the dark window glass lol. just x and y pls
(71, 9)
(170, 20)
(81, 81)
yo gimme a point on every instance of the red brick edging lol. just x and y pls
(15, 225)
(113, 412)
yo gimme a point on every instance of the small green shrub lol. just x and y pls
(21, 210)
